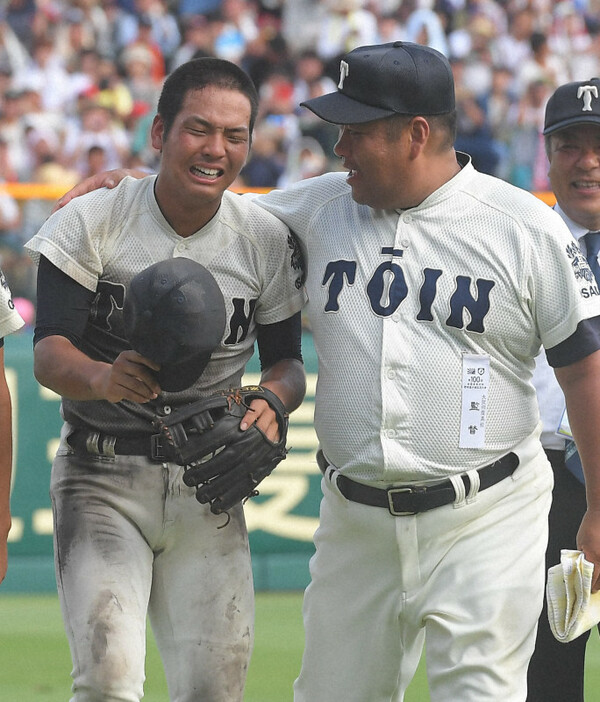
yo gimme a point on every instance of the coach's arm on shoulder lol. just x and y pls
(580, 382)
(60, 366)
(105, 179)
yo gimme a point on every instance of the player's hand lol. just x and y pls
(106, 179)
(261, 414)
(588, 541)
(130, 377)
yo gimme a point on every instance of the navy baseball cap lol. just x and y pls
(573, 103)
(174, 314)
(398, 78)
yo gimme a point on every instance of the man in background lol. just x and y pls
(572, 140)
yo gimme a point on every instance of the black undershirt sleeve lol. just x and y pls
(584, 341)
(280, 341)
(63, 305)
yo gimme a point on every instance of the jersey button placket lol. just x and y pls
(396, 358)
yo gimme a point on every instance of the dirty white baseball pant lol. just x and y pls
(467, 580)
(131, 540)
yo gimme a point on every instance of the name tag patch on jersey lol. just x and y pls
(475, 386)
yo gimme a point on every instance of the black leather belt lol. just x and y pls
(97, 444)
(412, 499)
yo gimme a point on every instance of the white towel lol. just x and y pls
(572, 609)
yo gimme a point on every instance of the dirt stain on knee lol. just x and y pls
(101, 623)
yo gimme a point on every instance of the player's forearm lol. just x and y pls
(287, 379)
(61, 367)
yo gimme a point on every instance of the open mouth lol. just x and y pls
(206, 173)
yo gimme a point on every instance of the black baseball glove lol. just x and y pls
(224, 463)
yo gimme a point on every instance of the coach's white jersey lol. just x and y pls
(103, 239)
(10, 319)
(412, 309)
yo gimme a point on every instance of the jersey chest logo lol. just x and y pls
(387, 289)
(110, 298)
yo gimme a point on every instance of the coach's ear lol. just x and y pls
(419, 133)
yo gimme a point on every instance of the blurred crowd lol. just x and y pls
(79, 82)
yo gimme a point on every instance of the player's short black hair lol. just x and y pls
(200, 73)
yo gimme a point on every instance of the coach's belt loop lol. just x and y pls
(459, 490)
(474, 484)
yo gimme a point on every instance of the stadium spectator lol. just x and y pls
(236, 27)
(145, 41)
(512, 48)
(543, 64)
(12, 135)
(136, 63)
(188, 8)
(96, 127)
(13, 54)
(267, 159)
(506, 49)
(46, 73)
(121, 29)
(424, 26)
(473, 128)
(527, 155)
(197, 39)
(164, 27)
(500, 101)
(344, 25)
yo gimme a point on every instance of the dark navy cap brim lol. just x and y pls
(579, 119)
(338, 108)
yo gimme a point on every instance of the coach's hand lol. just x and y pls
(588, 541)
(106, 179)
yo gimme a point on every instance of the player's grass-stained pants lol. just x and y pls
(130, 541)
(467, 580)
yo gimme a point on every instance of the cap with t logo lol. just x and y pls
(573, 103)
(398, 78)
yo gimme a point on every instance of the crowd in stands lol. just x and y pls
(79, 82)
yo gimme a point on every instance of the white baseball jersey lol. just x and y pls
(10, 319)
(103, 239)
(551, 400)
(430, 319)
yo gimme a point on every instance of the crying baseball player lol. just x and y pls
(131, 539)
(431, 289)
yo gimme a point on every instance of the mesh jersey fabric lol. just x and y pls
(397, 416)
(104, 238)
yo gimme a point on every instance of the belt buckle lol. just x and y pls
(394, 491)
(156, 448)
